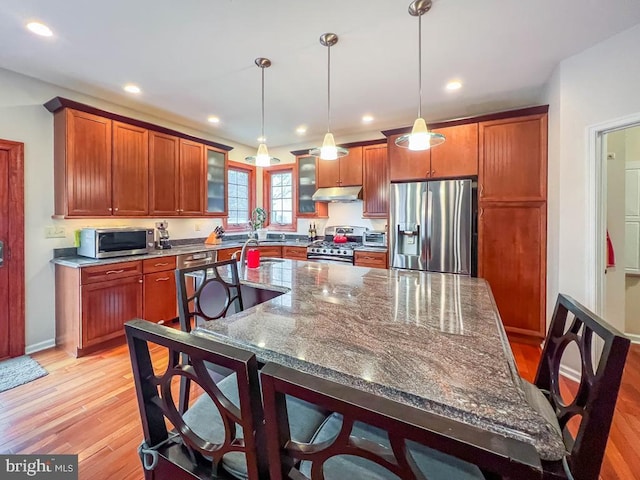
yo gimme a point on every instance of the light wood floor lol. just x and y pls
(87, 406)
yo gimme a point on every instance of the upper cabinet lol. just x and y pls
(216, 165)
(375, 184)
(343, 172)
(108, 165)
(456, 157)
(82, 168)
(513, 159)
(307, 167)
(130, 170)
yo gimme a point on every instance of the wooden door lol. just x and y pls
(458, 155)
(12, 339)
(160, 297)
(513, 159)
(512, 258)
(106, 306)
(192, 180)
(405, 164)
(375, 182)
(328, 173)
(164, 174)
(88, 164)
(351, 168)
(130, 170)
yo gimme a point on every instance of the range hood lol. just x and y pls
(338, 194)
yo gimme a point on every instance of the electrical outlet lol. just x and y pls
(611, 156)
(54, 231)
(197, 227)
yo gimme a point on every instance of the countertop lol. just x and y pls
(77, 261)
(430, 340)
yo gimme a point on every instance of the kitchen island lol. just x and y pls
(428, 340)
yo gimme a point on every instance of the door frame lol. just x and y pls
(597, 207)
(14, 254)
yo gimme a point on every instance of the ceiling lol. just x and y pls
(194, 58)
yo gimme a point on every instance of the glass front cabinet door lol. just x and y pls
(216, 204)
(307, 185)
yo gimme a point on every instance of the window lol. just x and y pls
(279, 194)
(241, 185)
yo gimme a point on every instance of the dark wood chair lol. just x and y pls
(595, 401)
(218, 436)
(371, 437)
(205, 293)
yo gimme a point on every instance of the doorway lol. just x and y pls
(12, 318)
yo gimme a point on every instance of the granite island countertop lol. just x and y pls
(429, 340)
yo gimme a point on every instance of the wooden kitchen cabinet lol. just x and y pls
(191, 177)
(82, 164)
(307, 184)
(93, 303)
(159, 296)
(456, 157)
(130, 170)
(216, 165)
(375, 182)
(164, 174)
(343, 172)
(294, 253)
(227, 253)
(513, 159)
(270, 251)
(512, 258)
(370, 259)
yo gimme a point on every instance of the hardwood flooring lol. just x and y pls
(87, 406)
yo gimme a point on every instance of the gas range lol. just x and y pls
(343, 252)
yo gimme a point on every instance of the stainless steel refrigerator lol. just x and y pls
(432, 226)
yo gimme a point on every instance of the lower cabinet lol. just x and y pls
(160, 296)
(271, 251)
(294, 253)
(371, 259)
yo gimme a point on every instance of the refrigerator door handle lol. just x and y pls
(427, 217)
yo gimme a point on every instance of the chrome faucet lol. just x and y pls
(243, 252)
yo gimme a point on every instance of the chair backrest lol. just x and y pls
(208, 292)
(598, 390)
(154, 377)
(394, 450)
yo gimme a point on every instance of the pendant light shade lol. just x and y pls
(420, 137)
(262, 158)
(329, 150)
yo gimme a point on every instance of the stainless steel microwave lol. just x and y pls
(374, 238)
(115, 242)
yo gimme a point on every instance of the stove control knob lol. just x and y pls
(324, 251)
(344, 252)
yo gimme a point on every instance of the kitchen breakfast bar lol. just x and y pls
(429, 341)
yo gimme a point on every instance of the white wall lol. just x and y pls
(597, 85)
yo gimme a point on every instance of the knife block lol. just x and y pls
(213, 239)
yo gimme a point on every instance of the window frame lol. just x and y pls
(251, 170)
(266, 196)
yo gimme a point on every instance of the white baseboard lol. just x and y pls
(570, 373)
(633, 337)
(36, 347)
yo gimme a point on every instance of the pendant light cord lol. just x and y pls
(329, 88)
(419, 66)
(263, 139)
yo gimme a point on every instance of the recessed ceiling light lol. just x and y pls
(262, 139)
(213, 119)
(131, 88)
(39, 29)
(454, 85)
(367, 118)
(301, 130)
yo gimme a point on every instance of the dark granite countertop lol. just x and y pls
(430, 340)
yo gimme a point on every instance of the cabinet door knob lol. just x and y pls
(109, 208)
(433, 172)
(116, 209)
(140, 281)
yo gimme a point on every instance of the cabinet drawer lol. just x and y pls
(270, 251)
(371, 259)
(295, 253)
(158, 264)
(111, 271)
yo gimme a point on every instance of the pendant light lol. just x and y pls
(329, 151)
(262, 158)
(420, 137)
